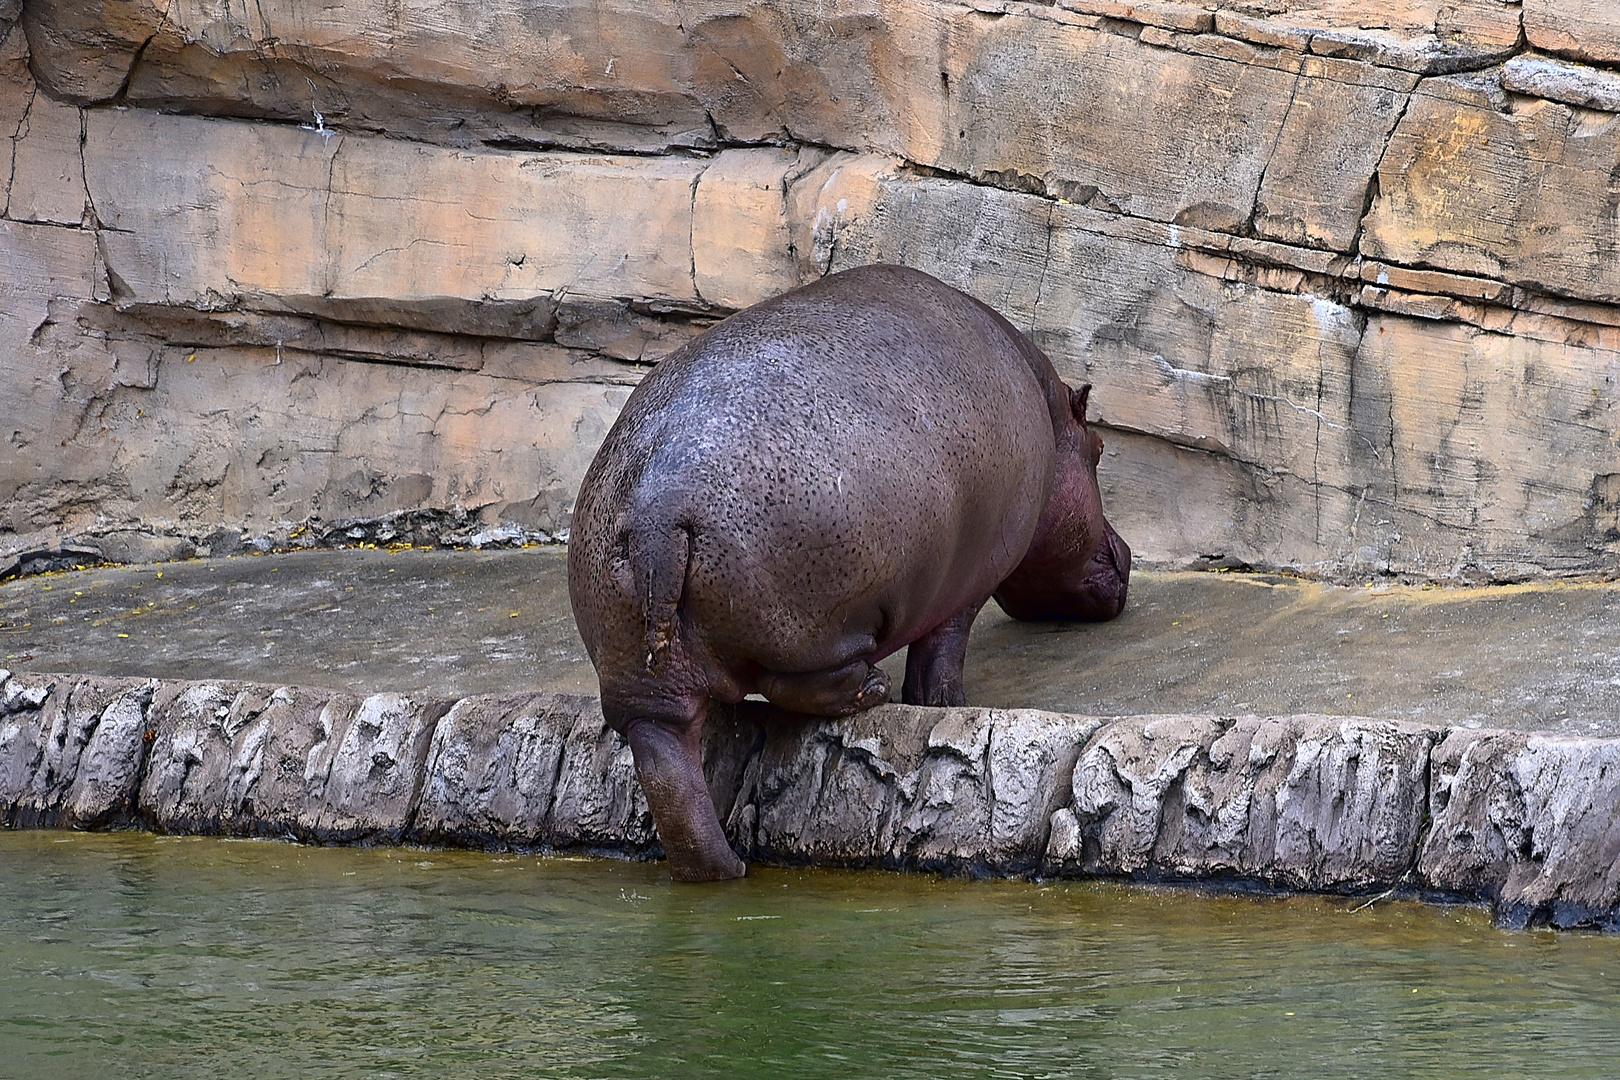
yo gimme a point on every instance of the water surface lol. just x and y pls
(128, 955)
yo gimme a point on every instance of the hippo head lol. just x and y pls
(1077, 568)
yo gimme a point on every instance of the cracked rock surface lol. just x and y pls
(1333, 804)
(1529, 821)
(1311, 802)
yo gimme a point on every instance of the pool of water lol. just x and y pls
(128, 955)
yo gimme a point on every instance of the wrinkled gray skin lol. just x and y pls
(846, 470)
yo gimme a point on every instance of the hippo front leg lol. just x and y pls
(669, 764)
(934, 662)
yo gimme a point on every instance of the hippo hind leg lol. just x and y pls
(669, 763)
(840, 691)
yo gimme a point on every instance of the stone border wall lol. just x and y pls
(1331, 804)
(1344, 273)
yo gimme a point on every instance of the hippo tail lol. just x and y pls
(660, 560)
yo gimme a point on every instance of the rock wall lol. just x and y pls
(1332, 804)
(1344, 274)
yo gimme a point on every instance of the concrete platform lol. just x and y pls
(449, 624)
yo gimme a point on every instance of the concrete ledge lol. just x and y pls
(962, 790)
(1331, 804)
(1530, 822)
(1305, 802)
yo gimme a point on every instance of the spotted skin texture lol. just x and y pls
(843, 471)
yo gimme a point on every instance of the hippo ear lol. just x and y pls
(1077, 401)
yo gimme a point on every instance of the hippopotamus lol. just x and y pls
(851, 468)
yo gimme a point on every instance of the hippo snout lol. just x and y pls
(1112, 568)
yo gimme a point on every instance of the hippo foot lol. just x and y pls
(841, 691)
(874, 692)
(717, 865)
(946, 695)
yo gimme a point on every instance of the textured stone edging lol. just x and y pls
(1322, 803)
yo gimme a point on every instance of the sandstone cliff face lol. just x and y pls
(1344, 274)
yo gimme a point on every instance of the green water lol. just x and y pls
(128, 955)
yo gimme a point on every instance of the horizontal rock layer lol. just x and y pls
(1333, 804)
(1343, 275)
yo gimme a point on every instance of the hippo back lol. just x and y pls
(861, 456)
